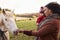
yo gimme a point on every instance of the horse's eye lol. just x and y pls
(6, 19)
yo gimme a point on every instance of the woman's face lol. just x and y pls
(47, 11)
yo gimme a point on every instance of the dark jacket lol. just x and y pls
(49, 31)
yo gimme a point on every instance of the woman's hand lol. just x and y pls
(21, 30)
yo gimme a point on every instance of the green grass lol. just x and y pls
(27, 25)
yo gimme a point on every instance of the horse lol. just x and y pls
(7, 24)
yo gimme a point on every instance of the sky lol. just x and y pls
(25, 6)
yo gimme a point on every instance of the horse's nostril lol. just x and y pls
(6, 19)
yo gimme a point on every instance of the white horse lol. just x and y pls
(7, 23)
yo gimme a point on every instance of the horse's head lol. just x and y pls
(9, 21)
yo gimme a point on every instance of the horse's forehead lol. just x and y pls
(9, 13)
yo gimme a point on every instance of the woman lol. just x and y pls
(49, 27)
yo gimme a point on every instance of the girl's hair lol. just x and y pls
(54, 7)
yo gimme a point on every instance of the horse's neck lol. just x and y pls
(0, 19)
(2, 27)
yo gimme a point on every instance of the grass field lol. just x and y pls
(28, 25)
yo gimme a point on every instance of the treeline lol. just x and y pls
(27, 15)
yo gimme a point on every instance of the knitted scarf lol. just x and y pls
(48, 18)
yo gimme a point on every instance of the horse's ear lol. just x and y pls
(3, 11)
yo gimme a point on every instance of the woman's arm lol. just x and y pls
(46, 29)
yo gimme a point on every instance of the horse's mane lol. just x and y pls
(9, 14)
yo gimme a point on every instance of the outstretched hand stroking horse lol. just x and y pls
(7, 23)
